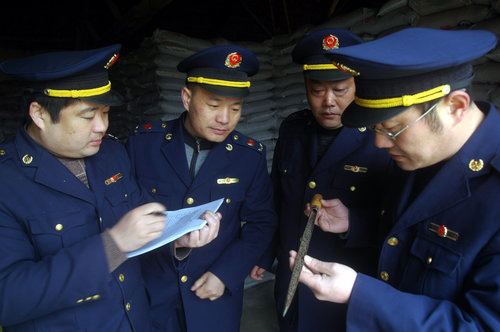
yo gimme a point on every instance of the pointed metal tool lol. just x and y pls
(304, 245)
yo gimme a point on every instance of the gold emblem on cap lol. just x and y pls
(233, 60)
(229, 147)
(346, 69)
(476, 165)
(27, 159)
(330, 42)
(112, 61)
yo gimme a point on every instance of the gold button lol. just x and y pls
(163, 125)
(235, 137)
(393, 241)
(312, 184)
(384, 276)
(121, 277)
(127, 306)
(79, 301)
(352, 188)
(228, 200)
(362, 129)
(27, 159)
(96, 297)
(382, 212)
(126, 195)
(153, 190)
(285, 171)
(429, 260)
(190, 200)
(2, 152)
(229, 147)
(184, 278)
(100, 220)
(59, 227)
(168, 137)
(476, 165)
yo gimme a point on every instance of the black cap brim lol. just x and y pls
(226, 91)
(356, 116)
(111, 98)
(327, 75)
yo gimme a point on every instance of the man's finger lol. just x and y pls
(198, 283)
(316, 266)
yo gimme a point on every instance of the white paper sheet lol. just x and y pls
(178, 223)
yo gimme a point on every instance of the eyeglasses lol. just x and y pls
(393, 136)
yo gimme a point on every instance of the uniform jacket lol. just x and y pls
(158, 153)
(432, 283)
(349, 170)
(53, 269)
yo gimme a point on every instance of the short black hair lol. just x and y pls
(53, 105)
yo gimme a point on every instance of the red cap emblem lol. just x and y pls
(251, 142)
(233, 60)
(147, 126)
(330, 42)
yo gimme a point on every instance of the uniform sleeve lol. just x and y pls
(260, 224)
(267, 259)
(31, 287)
(377, 306)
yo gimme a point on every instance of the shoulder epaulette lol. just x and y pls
(242, 140)
(151, 127)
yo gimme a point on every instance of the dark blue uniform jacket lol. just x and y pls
(351, 170)
(157, 150)
(432, 283)
(53, 270)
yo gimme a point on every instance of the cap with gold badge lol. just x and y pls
(409, 67)
(223, 70)
(311, 53)
(70, 74)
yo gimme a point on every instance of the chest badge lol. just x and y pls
(113, 179)
(228, 180)
(443, 231)
(355, 169)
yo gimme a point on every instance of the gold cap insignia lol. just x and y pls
(330, 42)
(233, 60)
(113, 179)
(112, 61)
(476, 165)
(443, 231)
(228, 180)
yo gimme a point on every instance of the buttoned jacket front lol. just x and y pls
(350, 169)
(440, 262)
(53, 269)
(234, 170)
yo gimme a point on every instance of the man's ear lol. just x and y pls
(186, 95)
(38, 115)
(459, 103)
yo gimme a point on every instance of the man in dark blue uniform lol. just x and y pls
(199, 158)
(440, 258)
(316, 154)
(67, 189)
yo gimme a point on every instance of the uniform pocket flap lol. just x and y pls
(436, 256)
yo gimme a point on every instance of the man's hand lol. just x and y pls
(208, 286)
(138, 227)
(201, 237)
(333, 216)
(257, 273)
(328, 281)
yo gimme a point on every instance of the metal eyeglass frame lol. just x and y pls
(394, 136)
